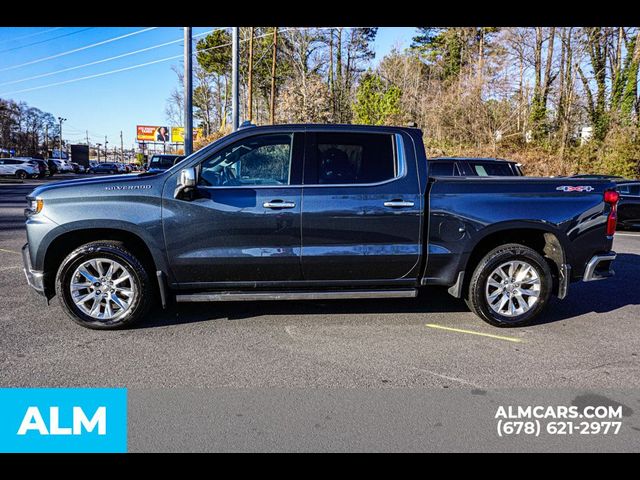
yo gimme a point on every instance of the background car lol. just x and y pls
(77, 168)
(53, 167)
(162, 162)
(110, 167)
(629, 204)
(615, 178)
(19, 167)
(63, 166)
(473, 167)
(43, 168)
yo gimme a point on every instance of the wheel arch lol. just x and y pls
(64, 243)
(539, 236)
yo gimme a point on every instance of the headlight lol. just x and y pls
(35, 205)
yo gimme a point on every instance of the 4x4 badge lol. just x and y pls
(579, 188)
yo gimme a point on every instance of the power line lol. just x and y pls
(69, 52)
(41, 32)
(45, 41)
(94, 76)
(124, 69)
(104, 60)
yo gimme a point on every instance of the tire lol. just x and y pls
(137, 282)
(21, 174)
(515, 313)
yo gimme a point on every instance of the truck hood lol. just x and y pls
(119, 182)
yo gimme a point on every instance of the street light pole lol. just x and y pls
(60, 119)
(188, 93)
(235, 79)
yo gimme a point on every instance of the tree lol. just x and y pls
(376, 103)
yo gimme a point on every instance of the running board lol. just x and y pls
(327, 295)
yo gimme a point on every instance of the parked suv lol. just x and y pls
(160, 163)
(629, 206)
(473, 167)
(19, 167)
(110, 167)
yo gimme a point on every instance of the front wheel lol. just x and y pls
(510, 286)
(21, 174)
(102, 285)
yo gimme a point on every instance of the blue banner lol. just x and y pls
(63, 420)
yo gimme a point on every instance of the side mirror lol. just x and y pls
(186, 182)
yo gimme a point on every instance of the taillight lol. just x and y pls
(611, 197)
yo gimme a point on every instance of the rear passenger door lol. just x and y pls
(361, 208)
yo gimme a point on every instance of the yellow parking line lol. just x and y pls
(471, 332)
(9, 251)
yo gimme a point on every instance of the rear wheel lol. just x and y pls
(510, 286)
(102, 285)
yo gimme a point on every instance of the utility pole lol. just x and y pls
(60, 119)
(235, 79)
(188, 93)
(121, 148)
(46, 142)
(87, 133)
(250, 80)
(98, 145)
(106, 151)
(273, 75)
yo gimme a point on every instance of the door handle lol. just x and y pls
(398, 204)
(278, 204)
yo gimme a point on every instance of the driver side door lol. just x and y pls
(241, 227)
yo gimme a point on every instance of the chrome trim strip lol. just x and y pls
(399, 204)
(589, 272)
(254, 296)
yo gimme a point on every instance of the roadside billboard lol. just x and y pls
(177, 134)
(149, 133)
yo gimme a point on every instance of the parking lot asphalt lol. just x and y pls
(589, 340)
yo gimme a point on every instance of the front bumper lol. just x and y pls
(599, 267)
(35, 279)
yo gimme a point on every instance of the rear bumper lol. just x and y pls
(35, 279)
(599, 267)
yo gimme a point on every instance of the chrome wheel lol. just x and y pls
(102, 289)
(513, 288)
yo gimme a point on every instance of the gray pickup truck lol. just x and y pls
(294, 212)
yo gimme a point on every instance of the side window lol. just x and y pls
(352, 158)
(258, 160)
(624, 189)
(635, 190)
(445, 169)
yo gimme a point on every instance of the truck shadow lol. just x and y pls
(430, 300)
(584, 298)
(600, 296)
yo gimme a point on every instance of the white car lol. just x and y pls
(63, 166)
(19, 167)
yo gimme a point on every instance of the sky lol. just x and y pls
(106, 105)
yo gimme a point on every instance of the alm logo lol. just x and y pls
(33, 421)
(63, 420)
